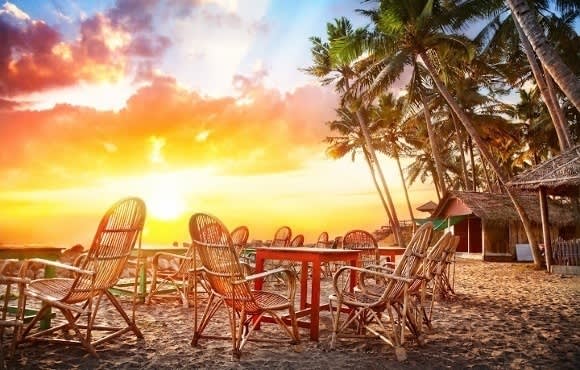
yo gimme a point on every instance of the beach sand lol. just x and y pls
(504, 316)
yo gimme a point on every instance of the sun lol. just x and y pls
(165, 206)
(164, 197)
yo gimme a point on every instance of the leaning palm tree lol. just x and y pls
(413, 31)
(504, 41)
(388, 117)
(338, 70)
(351, 141)
(551, 61)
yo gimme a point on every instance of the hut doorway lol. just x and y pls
(469, 232)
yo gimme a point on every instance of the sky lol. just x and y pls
(193, 105)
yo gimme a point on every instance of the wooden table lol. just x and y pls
(306, 255)
(391, 252)
(26, 251)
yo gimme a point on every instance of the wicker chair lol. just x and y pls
(165, 283)
(365, 307)
(79, 298)
(10, 285)
(240, 237)
(434, 266)
(445, 278)
(365, 242)
(323, 242)
(282, 237)
(231, 288)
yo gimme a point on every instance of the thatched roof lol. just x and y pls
(499, 207)
(427, 207)
(560, 174)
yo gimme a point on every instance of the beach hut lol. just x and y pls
(490, 228)
(558, 176)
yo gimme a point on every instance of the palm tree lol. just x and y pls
(549, 58)
(388, 117)
(350, 141)
(504, 40)
(332, 69)
(412, 31)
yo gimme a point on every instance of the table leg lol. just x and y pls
(304, 285)
(315, 301)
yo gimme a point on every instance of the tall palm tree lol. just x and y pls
(413, 31)
(388, 117)
(350, 141)
(551, 61)
(338, 70)
(503, 39)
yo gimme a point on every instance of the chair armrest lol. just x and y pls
(56, 264)
(156, 256)
(365, 272)
(290, 279)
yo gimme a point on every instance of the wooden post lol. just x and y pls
(546, 227)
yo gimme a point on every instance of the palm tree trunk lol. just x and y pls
(487, 179)
(562, 121)
(396, 155)
(394, 220)
(549, 58)
(548, 94)
(484, 151)
(434, 147)
(461, 153)
(377, 186)
(473, 168)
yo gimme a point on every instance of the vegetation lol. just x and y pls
(480, 107)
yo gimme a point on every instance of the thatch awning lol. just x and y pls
(430, 206)
(559, 175)
(498, 208)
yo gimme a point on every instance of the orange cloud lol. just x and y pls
(164, 126)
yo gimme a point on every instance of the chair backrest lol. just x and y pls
(220, 260)
(436, 255)
(410, 262)
(240, 237)
(365, 242)
(298, 241)
(118, 232)
(282, 237)
(322, 241)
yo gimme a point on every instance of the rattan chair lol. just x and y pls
(323, 242)
(366, 243)
(240, 237)
(282, 237)
(232, 289)
(12, 289)
(80, 298)
(385, 315)
(168, 283)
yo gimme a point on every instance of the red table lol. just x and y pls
(391, 252)
(306, 255)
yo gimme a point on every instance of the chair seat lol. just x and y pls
(359, 299)
(270, 301)
(55, 288)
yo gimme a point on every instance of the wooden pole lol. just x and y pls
(545, 227)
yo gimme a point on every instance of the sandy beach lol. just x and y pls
(504, 316)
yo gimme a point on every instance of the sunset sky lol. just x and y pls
(195, 106)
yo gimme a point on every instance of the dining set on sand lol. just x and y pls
(372, 297)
